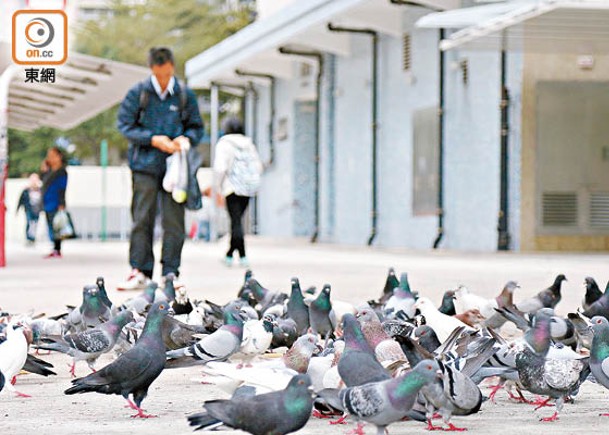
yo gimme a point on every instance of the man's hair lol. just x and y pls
(160, 56)
(233, 125)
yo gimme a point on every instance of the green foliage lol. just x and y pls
(125, 34)
(28, 150)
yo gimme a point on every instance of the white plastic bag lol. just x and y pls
(175, 180)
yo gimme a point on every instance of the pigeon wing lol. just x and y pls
(91, 341)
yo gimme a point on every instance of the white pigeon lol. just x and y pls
(465, 301)
(13, 353)
(257, 338)
(442, 324)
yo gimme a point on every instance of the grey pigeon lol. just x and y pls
(547, 298)
(600, 307)
(140, 303)
(390, 283)
(214, 347)
(92, 312)
(321, 316)
(389, 401)
(358, 364)
(504, 300)
(297, 309)
(599, 354)
(593, 293)
(133, 372)
(401, 303)
(103, 294)
(554, 374)
(448, 303)
(276, 413)
(90, 344)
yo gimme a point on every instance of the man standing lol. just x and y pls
(158, 121)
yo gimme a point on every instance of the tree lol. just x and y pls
(125, 34)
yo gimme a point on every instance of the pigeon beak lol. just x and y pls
(310, 389)
(439, 374)
(171, 311)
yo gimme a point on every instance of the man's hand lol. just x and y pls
(164, 144)
(220, 201)
(182, 142)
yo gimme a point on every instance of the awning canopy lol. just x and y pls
(84, 86)
(302, 25)
(544, 26)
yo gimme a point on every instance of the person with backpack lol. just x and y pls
(159, 116)
(237, 173)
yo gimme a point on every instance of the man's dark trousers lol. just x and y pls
(147, 194)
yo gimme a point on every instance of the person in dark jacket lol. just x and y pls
(54, 184)
(156, 131)
(31, 201)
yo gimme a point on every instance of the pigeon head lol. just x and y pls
(298, 356)
(558, 281)
(353, 335)
(268, 323)
(365, 315)
(100, 281)
(589, 282)
(599, 324)
(428, 369)
(511, 286)
(323, 300)
(258, 291)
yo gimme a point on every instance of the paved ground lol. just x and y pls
(356, 274)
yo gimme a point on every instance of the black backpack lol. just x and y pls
(145, 97)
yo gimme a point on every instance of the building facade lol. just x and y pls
(494, 142)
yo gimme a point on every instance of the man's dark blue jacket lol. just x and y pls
(161, 117)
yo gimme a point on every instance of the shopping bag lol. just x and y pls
(63, 228)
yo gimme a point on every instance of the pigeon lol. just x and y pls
(13, 354)
(285, 332)
(600, 307)
(133, 372)
(321, 316)
(168, 293)
(390, 283)
(582, 331)
(177, 335)
(92, 312)
(90, 344)
(386, 349)
(182, 305)
(214, 347)
(247, 276)
(297, 309)
(599, 353)
(442, 324)
(401, 303)
(504, 300)
(555, 374)
(427, 338)
(37, 366)
(101, 286)
(358, 364)
(276, 413)
(471, 317)
(257, 338)
(547, 298)
(140, 303)
(385, 402)
(593, 293)
(448, 303)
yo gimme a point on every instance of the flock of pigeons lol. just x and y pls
(287, 357)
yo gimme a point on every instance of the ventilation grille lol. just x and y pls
(559, 209)
(406, 52)
(464, 65)
(599, 209)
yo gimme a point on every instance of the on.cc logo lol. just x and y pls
(39, 32)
